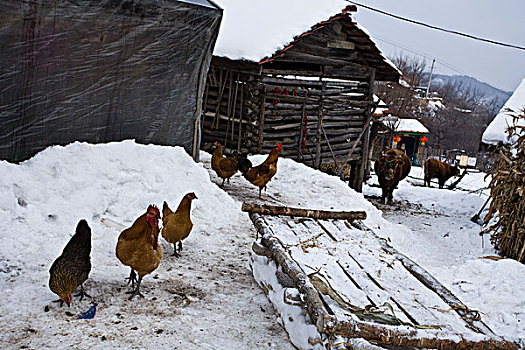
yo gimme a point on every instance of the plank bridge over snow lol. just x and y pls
(355, 285)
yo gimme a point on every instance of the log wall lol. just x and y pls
(317, 121)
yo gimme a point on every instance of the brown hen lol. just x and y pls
(224, 167)
(138, 247)
(177, 225)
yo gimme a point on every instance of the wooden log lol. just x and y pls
(292, 150)
(347, 126)
(307, 213)
(352, 150)
(409, 338)
(455, 183)
(222, 84)
(345, 112)
(314, 305)
(313, 83)
(397, 336)
(297, 116)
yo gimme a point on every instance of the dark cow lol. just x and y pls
(392, 166)
(443, 171)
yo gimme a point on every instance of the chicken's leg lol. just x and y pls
(132, 279)
(59, 301)
(137, 290)
(180, 246)
(81, 294)
(175, 251)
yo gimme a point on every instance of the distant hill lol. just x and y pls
(489, 91)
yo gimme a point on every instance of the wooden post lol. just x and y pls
(317, 161)
(241, 110)
(231, 112)
(364, 165)
(222, 85)
(309, 213)
(261, 121)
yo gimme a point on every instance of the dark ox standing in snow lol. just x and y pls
(392, 166)
(443, 171)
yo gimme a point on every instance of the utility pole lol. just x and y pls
(430, 78)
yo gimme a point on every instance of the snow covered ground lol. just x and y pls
(207, 299)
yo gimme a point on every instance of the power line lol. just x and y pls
(424, 55)
(437, 28)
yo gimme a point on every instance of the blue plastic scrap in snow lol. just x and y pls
(90, 313)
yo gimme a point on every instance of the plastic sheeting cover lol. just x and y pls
(101, 71)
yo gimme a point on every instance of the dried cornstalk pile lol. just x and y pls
(507, 190)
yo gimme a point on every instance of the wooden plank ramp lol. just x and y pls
(355, 285)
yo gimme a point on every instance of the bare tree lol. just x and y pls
(459, 124)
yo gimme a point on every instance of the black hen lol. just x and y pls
(243, 163)
(72, 268)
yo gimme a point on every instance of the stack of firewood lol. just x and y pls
(506, 214)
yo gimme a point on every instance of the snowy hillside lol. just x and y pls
(490, 92)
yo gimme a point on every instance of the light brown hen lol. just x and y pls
(177, 225)
(224, 167)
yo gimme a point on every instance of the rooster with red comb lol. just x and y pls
(138, 247)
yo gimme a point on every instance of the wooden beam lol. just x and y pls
(307, 213)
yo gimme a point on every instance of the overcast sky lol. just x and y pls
(503, 21)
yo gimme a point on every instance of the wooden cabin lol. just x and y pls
(314, 96)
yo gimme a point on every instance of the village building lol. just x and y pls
(497, 130)
(306, 82)
(409, 136)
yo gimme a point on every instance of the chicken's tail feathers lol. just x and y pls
(165, 208)
(243, 163)
(83, 228)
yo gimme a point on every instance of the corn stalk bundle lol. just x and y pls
(506, 214)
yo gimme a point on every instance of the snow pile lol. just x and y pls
(497, 129)
(206, 299)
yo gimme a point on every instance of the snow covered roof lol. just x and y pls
(411, 125)
(261, 31)
(497, 129)
(382, 108)
(253, 30)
